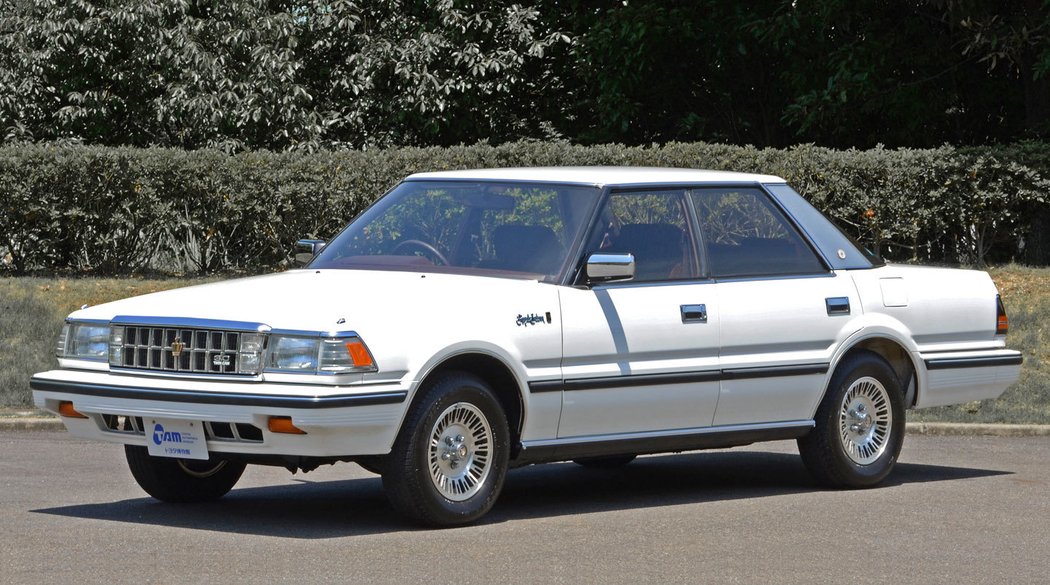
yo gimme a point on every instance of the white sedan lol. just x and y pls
(470, 321)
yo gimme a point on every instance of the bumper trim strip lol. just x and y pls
(232, 398)
(973, 362)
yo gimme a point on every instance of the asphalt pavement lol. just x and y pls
(967, 509)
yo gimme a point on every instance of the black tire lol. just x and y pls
(182, 480)
(450, 458)
(859, 425)
(605, 461)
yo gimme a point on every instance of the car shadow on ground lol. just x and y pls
(334, 509)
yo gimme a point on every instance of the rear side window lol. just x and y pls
(744, 234)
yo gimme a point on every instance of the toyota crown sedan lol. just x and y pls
(472, 321)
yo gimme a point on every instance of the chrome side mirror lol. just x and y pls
(306, 250)
(603, 267)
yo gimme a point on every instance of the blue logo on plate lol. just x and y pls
(160, 435)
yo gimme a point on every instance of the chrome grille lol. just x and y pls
(202, 351)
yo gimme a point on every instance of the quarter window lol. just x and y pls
(745, 235)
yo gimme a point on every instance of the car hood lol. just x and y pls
(317, 300)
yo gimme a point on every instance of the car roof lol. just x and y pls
(602, 176)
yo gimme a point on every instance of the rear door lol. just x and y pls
(781, 310)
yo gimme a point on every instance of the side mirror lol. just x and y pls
(305, 250)
(603, 267)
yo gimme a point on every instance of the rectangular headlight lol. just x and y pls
(85, 341)
(314, 355)
(294, 354)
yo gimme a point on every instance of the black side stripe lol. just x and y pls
(239, 399)
(675, 378)
(974, 362)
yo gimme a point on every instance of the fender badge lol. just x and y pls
(530, 319)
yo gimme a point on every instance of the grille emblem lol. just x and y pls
(176, 347)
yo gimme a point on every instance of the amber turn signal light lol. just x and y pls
(359, 354)
(66, 409)
(283, 424)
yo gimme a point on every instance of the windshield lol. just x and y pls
(477, 227)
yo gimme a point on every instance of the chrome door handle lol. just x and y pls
(694, 313)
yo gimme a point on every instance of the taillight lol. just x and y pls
(1002, 323)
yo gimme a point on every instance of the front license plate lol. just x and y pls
(184, 439)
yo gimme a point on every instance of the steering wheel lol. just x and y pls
(428, 248)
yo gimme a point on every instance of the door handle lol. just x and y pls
(837, 305)
(694, 313)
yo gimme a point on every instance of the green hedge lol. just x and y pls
(121, 210)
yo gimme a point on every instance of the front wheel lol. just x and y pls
(448, 464)
(859, 425)
(182, 480)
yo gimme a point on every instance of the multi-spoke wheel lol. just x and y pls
(865, 419)
(859, 425)
(448, 463)
(182, 480)
(460, 451)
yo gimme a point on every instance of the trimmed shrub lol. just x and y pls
(124, 210)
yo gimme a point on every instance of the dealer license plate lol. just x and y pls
(183, 439)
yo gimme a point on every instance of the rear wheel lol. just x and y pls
(859, 426)
(448, 464)
(182, 480)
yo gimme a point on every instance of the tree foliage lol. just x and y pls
(278, 75)
(239, 74)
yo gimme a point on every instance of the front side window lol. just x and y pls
(652, 226)
(745, 235)
(477, 227)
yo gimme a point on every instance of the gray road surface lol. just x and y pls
(957, 510)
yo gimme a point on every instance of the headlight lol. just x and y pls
(84, 341)
(250, 353)
(294, 353)
(313, 355)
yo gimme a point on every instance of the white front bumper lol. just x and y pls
(339, 421)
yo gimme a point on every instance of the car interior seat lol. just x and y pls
(657, 249)
(526, 248)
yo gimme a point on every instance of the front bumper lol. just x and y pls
(339, 421)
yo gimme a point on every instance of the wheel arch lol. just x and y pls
(894, 352)
(495, 372)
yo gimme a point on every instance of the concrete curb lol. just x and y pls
(31, 424)
(977, 429)
(912, 428)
